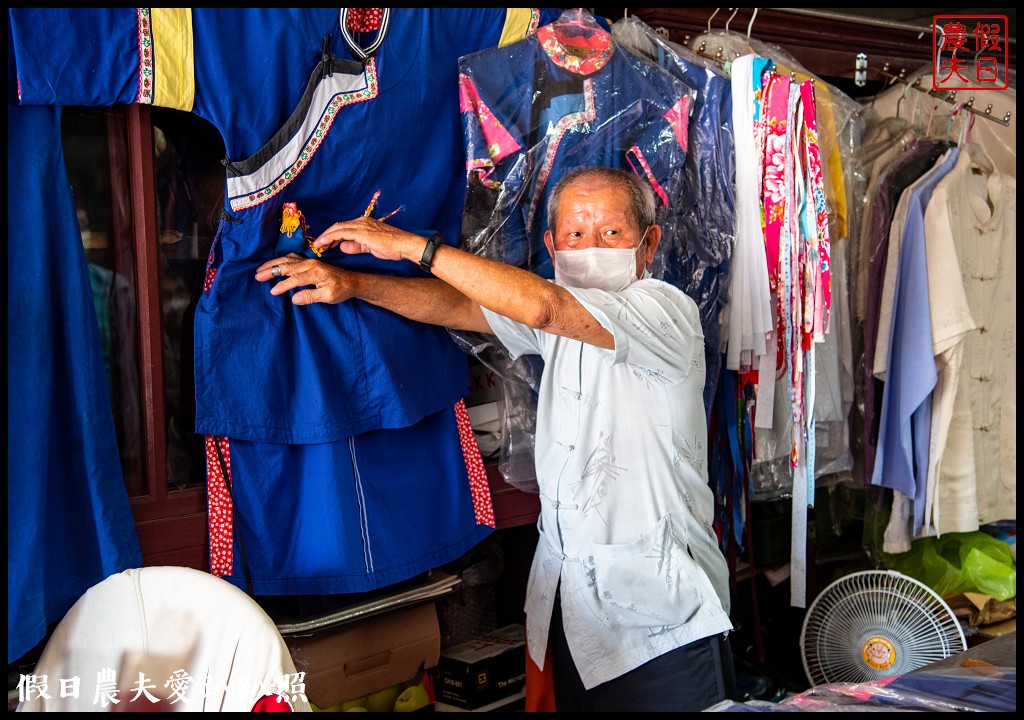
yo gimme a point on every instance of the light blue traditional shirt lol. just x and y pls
(626, 511)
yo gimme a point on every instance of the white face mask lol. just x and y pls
(610, 269)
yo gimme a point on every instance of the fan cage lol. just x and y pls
(876, 624)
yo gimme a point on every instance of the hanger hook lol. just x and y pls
(712, 18)
(750, 25)
(734, 11)
(952, 117)
(906, 89)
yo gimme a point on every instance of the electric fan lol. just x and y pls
(876, 624)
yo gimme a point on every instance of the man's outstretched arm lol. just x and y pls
(422, 299)
(463, 283)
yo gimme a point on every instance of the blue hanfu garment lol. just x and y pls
(310, 117)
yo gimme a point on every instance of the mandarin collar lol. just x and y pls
(582, 54)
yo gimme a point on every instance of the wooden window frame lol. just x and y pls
(171, 523)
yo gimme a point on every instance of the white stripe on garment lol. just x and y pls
(242, 188)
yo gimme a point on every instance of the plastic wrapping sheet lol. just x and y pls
(883, 139)
(520, 380)
(833, 367)
(569, 96)
(833, 401)
(703, 217)
(871, 137)
(839, 137)
(958, 689)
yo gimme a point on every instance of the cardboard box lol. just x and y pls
(367, 656)
(482, 671)
(998, 629)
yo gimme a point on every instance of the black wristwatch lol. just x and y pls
(428, 252)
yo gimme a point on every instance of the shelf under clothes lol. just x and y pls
(435, 585)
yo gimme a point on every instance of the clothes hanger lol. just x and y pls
(730, 45)
(966, 123)
(734, 11)
(917, 113)
(717, 58)
(965, 132)
(891, 80)
(906, 89)
(952, 117)
(750, 24)
(968, 106)
(694, 52)
(928, 129)
(735, 42)
(712, 18)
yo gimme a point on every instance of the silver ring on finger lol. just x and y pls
(275, 271)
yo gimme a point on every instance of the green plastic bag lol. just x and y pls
(960, 562)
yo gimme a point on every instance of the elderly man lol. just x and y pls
(628, 589)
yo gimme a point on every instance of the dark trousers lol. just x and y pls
(688, 679)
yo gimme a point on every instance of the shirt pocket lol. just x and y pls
(647, 583)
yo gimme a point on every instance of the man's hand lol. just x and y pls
(330, 284)
(366, 235)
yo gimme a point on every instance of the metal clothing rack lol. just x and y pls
(949, 96)
(722, 61)
(718, 57)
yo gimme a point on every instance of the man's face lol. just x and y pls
(596, 216)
